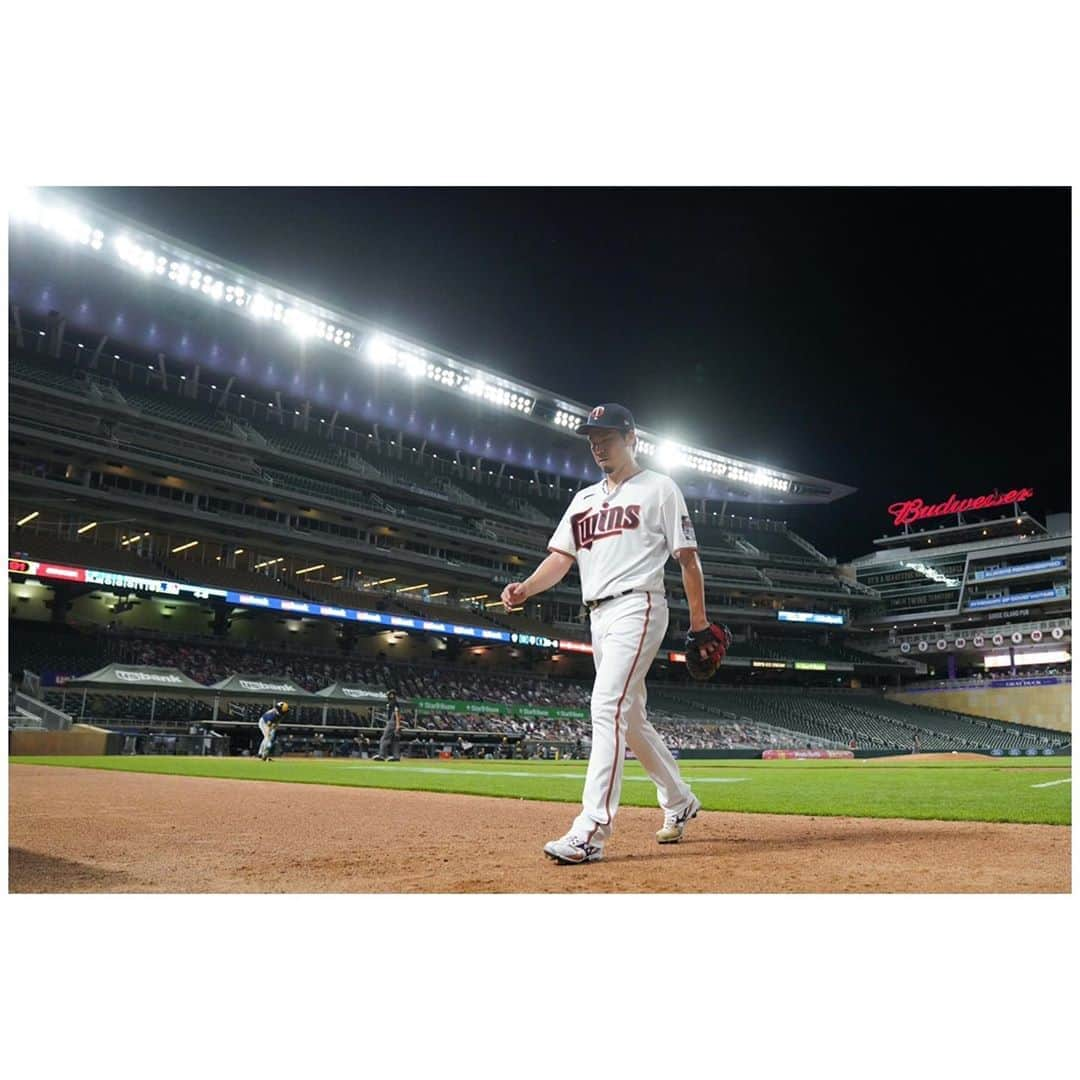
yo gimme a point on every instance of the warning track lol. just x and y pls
(89, 830)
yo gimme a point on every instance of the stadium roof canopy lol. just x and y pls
(111, 276)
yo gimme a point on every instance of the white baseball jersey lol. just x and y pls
(623, 534)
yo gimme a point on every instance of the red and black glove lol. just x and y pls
(714, 640)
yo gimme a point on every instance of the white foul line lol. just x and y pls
(530, 775)
(1051, 783)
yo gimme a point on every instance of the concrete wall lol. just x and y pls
(1041, 706)
(82, 739)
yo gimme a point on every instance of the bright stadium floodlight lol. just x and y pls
(25, 207)
(68, 226)
(299, 323)
(150, 255)
(668, 455)
(199, 275)
(261, 307)
(379, 350)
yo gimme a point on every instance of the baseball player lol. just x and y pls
(622, 531)
(268, 725)
(390, 743)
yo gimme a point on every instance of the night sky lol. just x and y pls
(909, 342)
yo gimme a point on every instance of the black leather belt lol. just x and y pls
(590, 604)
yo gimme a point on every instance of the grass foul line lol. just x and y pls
(1051, 783)
(537, 775)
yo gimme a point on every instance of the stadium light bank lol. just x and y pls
(182, 267)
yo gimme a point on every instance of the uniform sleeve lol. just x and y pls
(676, 523)
(562, 539)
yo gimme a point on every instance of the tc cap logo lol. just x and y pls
(597, 413)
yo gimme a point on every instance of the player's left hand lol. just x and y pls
(706, 649)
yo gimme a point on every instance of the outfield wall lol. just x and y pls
(1045, 706)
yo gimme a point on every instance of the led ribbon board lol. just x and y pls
(133, 583)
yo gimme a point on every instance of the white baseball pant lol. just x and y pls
(268, 737)
(626, 634)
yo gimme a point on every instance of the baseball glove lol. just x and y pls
(715, 639)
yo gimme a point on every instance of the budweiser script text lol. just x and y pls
(904, 513)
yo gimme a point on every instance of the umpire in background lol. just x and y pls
(390, 743)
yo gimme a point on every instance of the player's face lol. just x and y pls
(610, 449)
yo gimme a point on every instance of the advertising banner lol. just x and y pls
(1022, 568)
(786, 755)
(1016, 598)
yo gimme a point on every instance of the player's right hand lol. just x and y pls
(514, 595)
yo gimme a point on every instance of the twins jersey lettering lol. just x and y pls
(622, 541)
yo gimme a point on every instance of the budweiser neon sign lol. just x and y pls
(912, 510)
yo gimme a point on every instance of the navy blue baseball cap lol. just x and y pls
(607, 418)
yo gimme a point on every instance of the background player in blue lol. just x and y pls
(390, 743)
(268, 725)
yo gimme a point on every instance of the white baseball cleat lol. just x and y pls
(572, 848)
(675, 821)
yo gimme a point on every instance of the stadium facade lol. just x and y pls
(971, 585)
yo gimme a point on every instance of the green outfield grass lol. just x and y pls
(997, 789)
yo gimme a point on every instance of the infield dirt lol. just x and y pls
(81, 830)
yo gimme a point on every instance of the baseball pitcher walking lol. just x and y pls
(622, 531)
